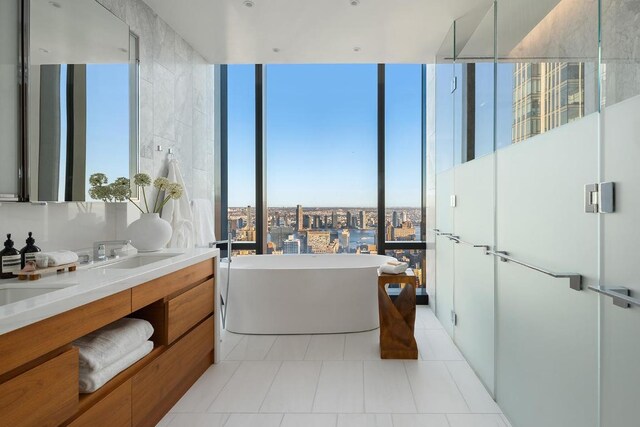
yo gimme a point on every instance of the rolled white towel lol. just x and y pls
(108, 344)
(61, 257)
(90, 381)
(394, 267)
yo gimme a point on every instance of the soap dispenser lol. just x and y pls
(28, 253)
(10, 260)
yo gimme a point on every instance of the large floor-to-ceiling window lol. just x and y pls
(325, 158)
(321, 139)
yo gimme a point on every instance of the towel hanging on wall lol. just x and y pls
(178, 212)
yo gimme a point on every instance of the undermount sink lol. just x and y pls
(136, 261)
(11, 295)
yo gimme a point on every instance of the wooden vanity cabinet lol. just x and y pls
(44, 390)
(44, 395)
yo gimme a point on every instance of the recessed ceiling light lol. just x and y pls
(55, 4)
(354, 2)
(356, 49)
(276, 49)
(248, 3)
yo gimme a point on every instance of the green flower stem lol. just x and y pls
(135, 204)
(144, 195)
(155, 205)
(164, 202)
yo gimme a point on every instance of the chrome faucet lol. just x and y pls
(100, 248)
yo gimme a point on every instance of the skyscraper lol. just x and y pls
(349, 219)
(546, 95)
(299, 218)
(291, 246)
(344, 240)
(334, 220)
(318, 242)
(363, 219)
(395, 220)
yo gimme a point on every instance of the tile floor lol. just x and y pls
(337, 381)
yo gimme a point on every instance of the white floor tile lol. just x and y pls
(254, 420)
(426, 319)
(505, 420)
(293, 388)
(364, 420)
(164, 422)
(289, 347)
(476, 420)
(340, 388)
(252, 347)
(362, 346)
(434, 389)
(309, 420)
(477, 397)
(228, 341)
(326, 347)
(420, 420)
(436, 345)
(247, 388)
(206, 389)
(198, 420)
(387, 387)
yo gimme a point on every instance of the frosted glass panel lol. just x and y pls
(444, 257)
(9, 99)
(474, 271)
(620, 338)
(547, 352)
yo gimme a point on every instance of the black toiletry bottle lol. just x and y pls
(10, 260)
(28, 253)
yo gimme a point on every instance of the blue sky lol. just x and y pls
(108, 120)
(321, 135)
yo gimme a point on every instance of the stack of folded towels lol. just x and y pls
(112, 349)
(393, 267)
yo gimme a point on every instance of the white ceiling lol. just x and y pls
(315, 31)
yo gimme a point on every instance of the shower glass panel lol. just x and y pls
(446, 85)
(548, 127)
(474, 183)
(620, 82)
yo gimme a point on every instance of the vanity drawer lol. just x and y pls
(160, 384)
(188, 309)
(114, 410)
(43, 396)
(165, 286)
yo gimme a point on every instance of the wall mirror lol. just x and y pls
(82, 98)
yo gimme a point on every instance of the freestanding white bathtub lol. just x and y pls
(302, 294)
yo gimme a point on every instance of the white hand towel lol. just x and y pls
(105, 346)
(203, 222)
(178, 212)
(395, 268)
(90, 381)
(61, 257)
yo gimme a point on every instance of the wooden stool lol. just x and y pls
(397, 319)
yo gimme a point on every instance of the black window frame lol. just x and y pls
(259, 246)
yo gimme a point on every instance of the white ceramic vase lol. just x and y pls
(150, 233)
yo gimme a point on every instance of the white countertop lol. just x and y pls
(87, 284)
